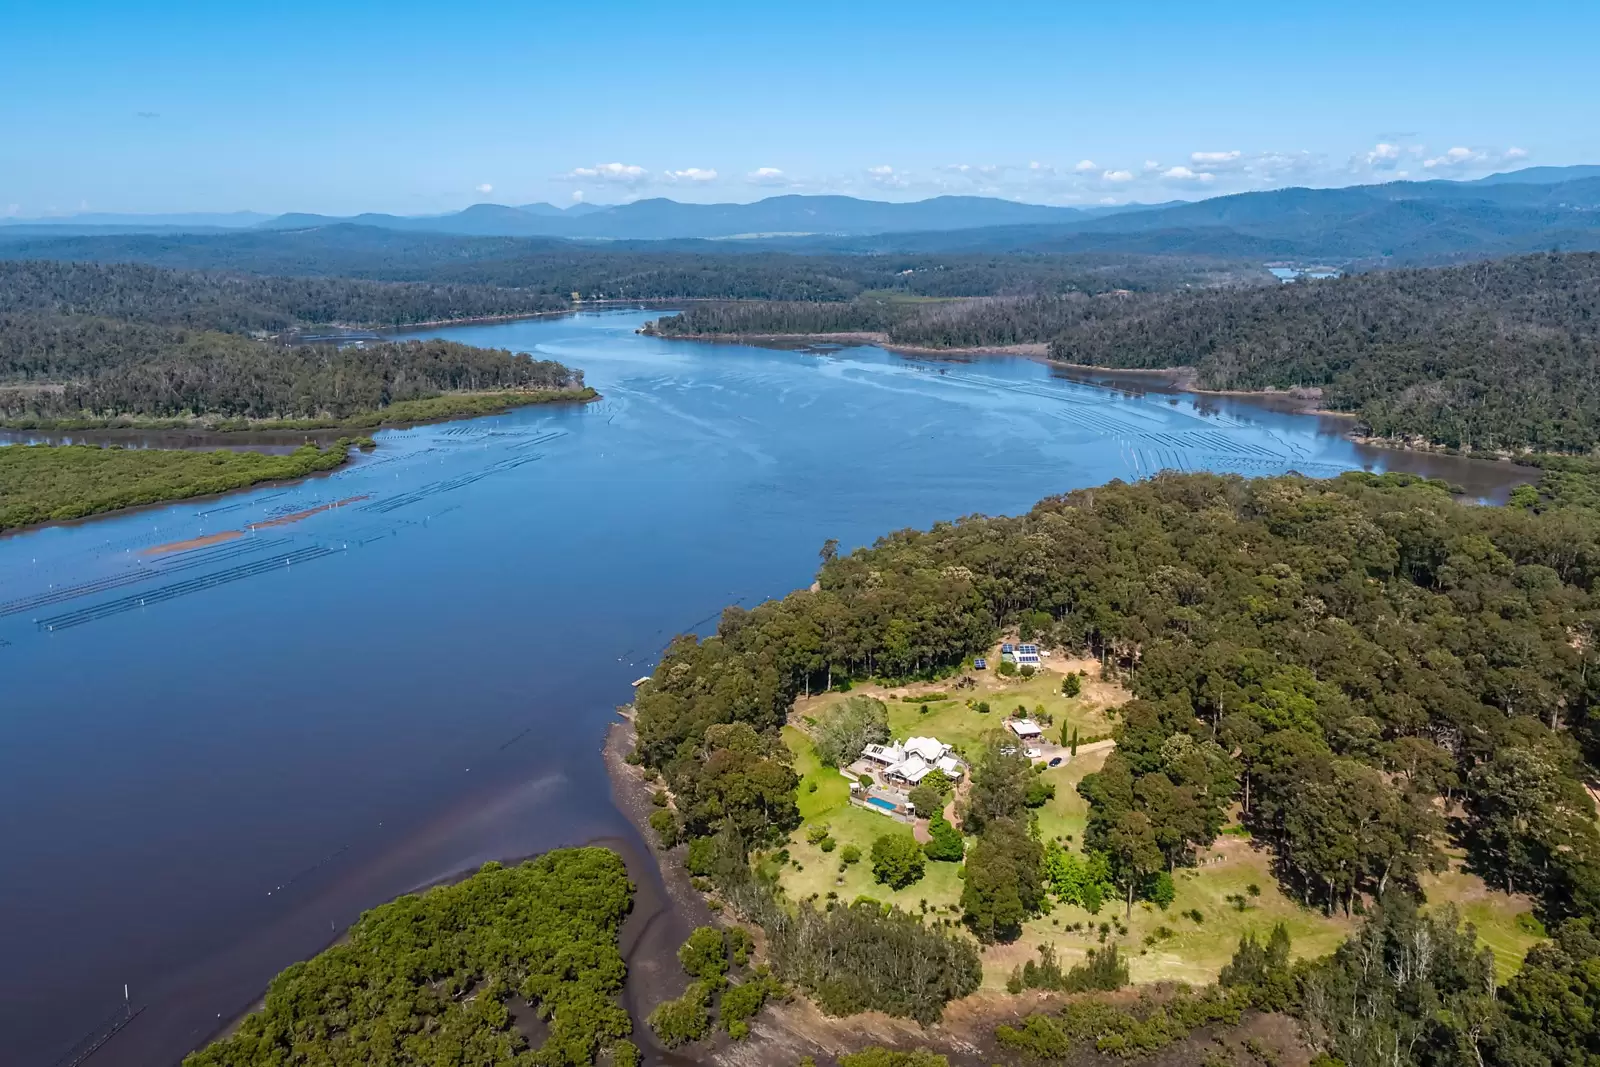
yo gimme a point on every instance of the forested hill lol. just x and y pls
(1496, 355)
(72, 370)
(241, 303)
(86, 344)
(1501, 355)
(689, 270)
(1365, 670)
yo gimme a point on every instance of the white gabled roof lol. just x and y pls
(1025, 728)
(949, 765)
(929, 748)
(890, 754)
(913, 770)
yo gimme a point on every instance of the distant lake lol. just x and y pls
(217, 748)
(1289, 274)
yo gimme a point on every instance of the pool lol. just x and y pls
(879, 802)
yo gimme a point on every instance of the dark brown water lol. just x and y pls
(212, 760)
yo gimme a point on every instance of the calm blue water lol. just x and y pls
(211, 759)
(879, 802)
(1289, 274)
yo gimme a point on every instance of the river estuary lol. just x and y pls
(219, 744)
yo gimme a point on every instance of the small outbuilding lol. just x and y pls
(1026, 729)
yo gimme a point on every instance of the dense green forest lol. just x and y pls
(694, 270)
(57, 370)
(44, 483)
(975, 322)
(1367, 668)
(1494, 355)
(242, 303)
(84, 345)
(1500, 355)
(429, 978)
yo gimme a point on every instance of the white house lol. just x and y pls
(913, 770)
(929, 748)
(914, 760)
(1026, 729)
(887, 755)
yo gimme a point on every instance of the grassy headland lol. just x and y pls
(51, 483)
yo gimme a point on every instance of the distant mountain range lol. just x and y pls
(1390, 223)
(1540, 175)
(661, 219)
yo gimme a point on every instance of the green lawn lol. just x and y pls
(1067, 814)
(1492, 913)
(1190, 951)
(832, 791)
(1196, 952)
(950, 721)
(1193, 952)
(818, 872)
(957, 722)
(1007, 695)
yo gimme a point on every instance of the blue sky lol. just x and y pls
(419, 108)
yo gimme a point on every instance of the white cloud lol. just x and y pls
(1384, 156)
(1215, 160)
(1041, 168)
(1108, 200)
(1118, 176)
(1151, 164)
(614, 173)
(1454, 158)
(1184, 174)
(485, 188)
(1387, 155)
(1086, 166)
(1461, 159)
(577, 196)
(13, 209)
(691, 174)
(766, 176)
(1277, 166)
(884, 177)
